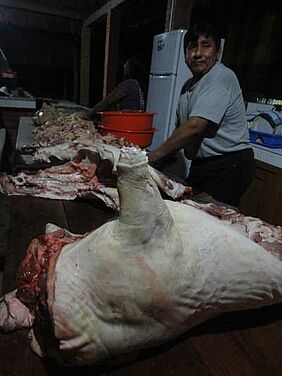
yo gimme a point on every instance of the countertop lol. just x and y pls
(30, 103)
(18, 102)
(272, 156)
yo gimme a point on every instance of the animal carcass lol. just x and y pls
(159, 269)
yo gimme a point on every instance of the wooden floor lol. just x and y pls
(238, 344)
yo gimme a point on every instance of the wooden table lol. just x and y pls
(237, 344)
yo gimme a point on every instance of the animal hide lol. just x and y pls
(157, 270)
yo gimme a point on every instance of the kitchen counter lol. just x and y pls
(263, 198)
(271, 156)
(18, 102)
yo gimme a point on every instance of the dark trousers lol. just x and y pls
(224, 177)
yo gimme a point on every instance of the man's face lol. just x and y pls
(201, 55)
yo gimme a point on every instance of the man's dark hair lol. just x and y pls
(136, 68)
(139, 72)
(202, 28)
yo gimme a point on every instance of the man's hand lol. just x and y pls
(151, 159)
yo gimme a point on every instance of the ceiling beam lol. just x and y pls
(43, 9)
(178, 14)
(102, 11)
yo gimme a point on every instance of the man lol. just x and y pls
(212, 122)
(129, 94)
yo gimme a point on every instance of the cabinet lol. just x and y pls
(9, 119)
(263, 198)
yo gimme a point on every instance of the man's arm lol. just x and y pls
(194, 126)
(111, 99)
(105, 104)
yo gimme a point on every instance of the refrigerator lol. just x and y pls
(168, 73)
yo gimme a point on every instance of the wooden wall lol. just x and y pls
(129, 27)
(43, 49)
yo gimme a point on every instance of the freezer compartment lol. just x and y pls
(166, 52)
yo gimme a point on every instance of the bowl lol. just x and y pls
(141, 138)
(127, 120)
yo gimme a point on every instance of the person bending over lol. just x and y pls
(128, 95)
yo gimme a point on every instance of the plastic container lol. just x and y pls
(141, 138)
(265, 139)
(127, 120)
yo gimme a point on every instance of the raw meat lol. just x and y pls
(68, 150)
(56, 129)
(47, 114)
(262, 233)
(91, 173)
(77, 178)
(157, 270)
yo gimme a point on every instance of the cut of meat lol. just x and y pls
(91, 173)
(139, 280)
(14, 314)
(58, 134)
(78, 178)
(173, 189)
(262, 233)
(68, 150)
(31, 279)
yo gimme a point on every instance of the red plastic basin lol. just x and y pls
(141, 138)
(127, 120)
